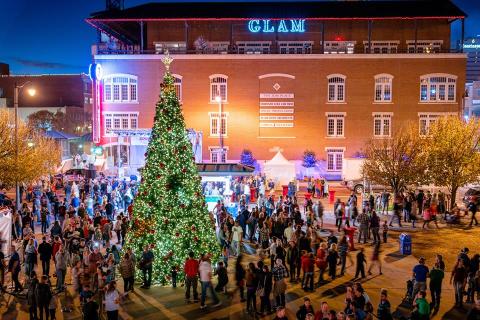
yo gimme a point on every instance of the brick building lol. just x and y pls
(324, 76)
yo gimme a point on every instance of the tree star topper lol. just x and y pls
(167, 60)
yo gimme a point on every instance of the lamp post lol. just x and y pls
(218, 99)
(31, 92)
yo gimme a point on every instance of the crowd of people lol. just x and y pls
(275, 243)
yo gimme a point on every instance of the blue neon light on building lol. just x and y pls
(267, 26)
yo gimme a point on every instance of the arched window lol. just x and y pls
(177, 81)
(218, 87)
(120, 88)
(383, 88)
(438, 87)
(336, 88)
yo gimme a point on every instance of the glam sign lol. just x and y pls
(268, 26)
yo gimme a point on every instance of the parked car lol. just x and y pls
(361, 185)
(472, 193)
(77, 174)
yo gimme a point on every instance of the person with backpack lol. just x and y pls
(43, 294)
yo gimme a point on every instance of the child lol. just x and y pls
(385, 231)
(174, 272)
(52, 307)
(383, 310)
(222, 278)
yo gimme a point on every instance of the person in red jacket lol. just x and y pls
(321, 261)
(191, 276)
(308, 268)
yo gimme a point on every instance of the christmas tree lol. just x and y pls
(170, 212)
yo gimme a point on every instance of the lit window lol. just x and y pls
(334, 159)
(117, 120)
(295, 47)
(382, 124)
(334, 47)
(336, 88)
(438, 87)
(119, 88)
(218, 87)
(335, 124)
(383, 47)
(383, 88)
(214, 125)
(218, 155)
(177, 81)
(424, 46)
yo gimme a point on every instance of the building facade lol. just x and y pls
(323, 76)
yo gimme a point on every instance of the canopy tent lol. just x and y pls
(5, 231)
(279, 169)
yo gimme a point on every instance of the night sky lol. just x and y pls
(51, 37)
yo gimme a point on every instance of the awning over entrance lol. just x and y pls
(224, 169)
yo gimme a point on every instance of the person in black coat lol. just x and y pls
(90, 309)
(332, 259)
(265, 282)
(361, 261)
(45, 252)
(305, 309)
(43, 294)
(31, 298)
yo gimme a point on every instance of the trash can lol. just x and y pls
(331, 196)
(405, 244)
(285, 190)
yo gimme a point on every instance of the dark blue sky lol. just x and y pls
(52, 37)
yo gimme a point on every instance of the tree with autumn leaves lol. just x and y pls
(27, 157)
(448, 156)
(170, 213)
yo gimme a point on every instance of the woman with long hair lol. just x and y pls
(112, 301)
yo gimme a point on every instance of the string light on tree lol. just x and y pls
(170, 213)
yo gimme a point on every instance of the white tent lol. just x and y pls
(5, 231)
(279, 169)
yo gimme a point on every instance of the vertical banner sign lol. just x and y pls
(95, 73)
(276, 106)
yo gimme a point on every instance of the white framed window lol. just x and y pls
(335, 159)
(336, 88)
(253, 47)
(120, 88)
(427, 119)
(215, 127)
(120, 120)
(382, 124)
(381, 47)
(172, 47)
(438, 87)
(383, 88)
(425, 46)
(218, 155)
(334, 47)
(218, 87)
(295, 47)
(177, 82)
(335, 124)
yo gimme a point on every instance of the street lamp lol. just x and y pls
(218, 99)
(31, 92)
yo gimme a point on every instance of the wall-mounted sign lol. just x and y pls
(95, 71)
(268, 26)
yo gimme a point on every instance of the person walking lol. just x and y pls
(43, 294)
(61, 259)
(265, 284)
(45, 252)
(127, 270)
(240, 278)
(279, 273)
(146, 263)
(360, 267)
(308, 270)
(375, 227)
(375, 260)
(190, 269)
(31, 296)
(237, 238)
(342, 252)
(205, 270)
(472, 207)
(436, 277)
(321, 262)
(112, 301)
(332, 259)
(362, 219)
(251, 282)
(339, 212)
(459, 279)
